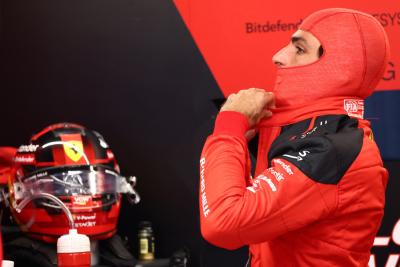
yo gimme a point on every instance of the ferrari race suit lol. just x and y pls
(318, 195)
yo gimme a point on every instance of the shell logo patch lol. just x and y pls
(82, 201)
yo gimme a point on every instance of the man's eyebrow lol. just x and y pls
(299, 38)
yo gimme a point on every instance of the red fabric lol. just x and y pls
(296, 221)
(6, 160)
(356, 52)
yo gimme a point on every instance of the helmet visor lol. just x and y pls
(87, 180)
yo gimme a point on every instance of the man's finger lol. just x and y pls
(250, 134)
(265, 113)
(271, 103)
(269, 99)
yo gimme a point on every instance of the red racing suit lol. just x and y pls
(317, 198)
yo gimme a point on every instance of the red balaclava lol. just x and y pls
(356, 51)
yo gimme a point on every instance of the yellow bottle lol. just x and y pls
(146, 241)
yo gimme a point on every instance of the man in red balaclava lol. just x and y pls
(318, 195)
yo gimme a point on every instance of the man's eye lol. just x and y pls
(299, 50)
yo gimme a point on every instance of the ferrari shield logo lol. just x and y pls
(74, 150)
(73, 147)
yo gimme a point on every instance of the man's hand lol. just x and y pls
(252, 103)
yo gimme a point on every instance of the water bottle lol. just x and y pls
(73, 250)
(6, 263)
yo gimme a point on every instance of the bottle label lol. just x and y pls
(144, 246)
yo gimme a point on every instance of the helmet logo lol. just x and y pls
(74, 150)
(85, 201)
(73, 146)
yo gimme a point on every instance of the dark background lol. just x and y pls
(130, 70)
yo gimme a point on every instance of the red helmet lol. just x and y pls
(77, 166)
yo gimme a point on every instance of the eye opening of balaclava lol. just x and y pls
(355, 54)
